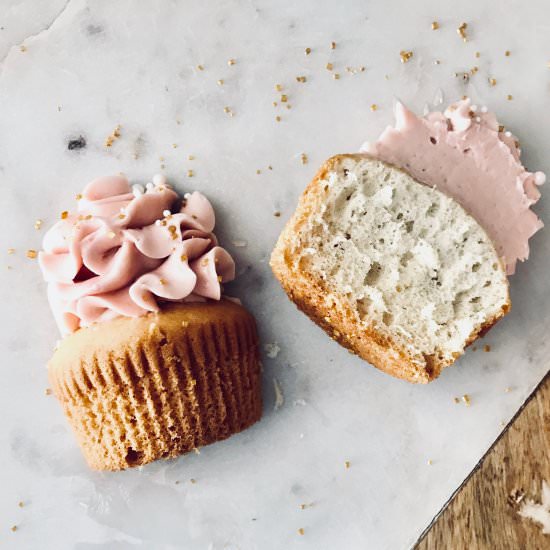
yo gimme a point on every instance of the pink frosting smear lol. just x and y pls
(127, 250)
(469, 157)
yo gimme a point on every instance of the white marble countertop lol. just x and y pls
(79, 68)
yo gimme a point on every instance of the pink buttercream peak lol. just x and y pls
(125, 252)
(466, 154)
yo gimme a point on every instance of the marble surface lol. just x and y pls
(86, 67)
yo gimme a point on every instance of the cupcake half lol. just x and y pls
(155, 362)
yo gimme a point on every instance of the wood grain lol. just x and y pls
(483, 513)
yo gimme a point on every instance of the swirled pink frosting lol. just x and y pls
(124, 252)
(468, 156)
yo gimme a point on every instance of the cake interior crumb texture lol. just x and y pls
(140, 389)
(392, 263)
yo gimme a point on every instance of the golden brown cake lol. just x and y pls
(139, 389)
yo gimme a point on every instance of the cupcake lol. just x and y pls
(154, 361)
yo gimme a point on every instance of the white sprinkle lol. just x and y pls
(300, 402)
(159, 179)
(240, 244)
(166, 213)
(279, 397)
(540, 178)
(157, 222)
(508, 134)
(137, 190)
(473, 108)
(478, 119)
(187, 195)
(272, 350)
(149, 186)
(484, 109)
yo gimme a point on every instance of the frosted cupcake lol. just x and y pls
(154, 362)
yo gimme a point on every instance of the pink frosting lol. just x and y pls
(125, 252)
(466, 155)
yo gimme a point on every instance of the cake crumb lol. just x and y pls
(466, 399)
(462, 31)
(435, 25)
(11, 251)
(333, 45)
(13, 528)
(507, 53)
(278, 87)
(373, 107)
(301, 531)
(329, 66)
(38, 224)
(347, 464)
(231, 61)
(308, 51)
(301, 79)
(430, 462)
(110, 139)
(509, 97)
(272, 350)
(193, 480)
(303, 158)
(405, 55)
(456, 400)
(48, 391)
(486, 348)
(507, 389)
(21, 504)
(477, 54)
(336, 76)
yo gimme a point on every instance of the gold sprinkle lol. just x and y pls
(492, 81)
(474, 70)
(301, 79)
(228, 111)
(462, 31)
(190, 173)
(275, 104)
(509, 97)
(278, 87)
(405, 55)
(200, 68)
(303, 158)
(48, 391)
(219, 278)
(486, 348)
(507, 53)
(466, 399)
(183, 258)
(11, 250)
(109, 140)
(308, 51)
(347, 464)
(258, 171)
(172, 228)
(231, 62)
(477, 54)
(501, 128)
(278, 118)
(373, 107)
(284, 98)
(220, 82)
(78, 196)
(20, 504)
(336, 76)
(38, 224)
(193, 480)
(277, 214)
(435, 25)
(329, 66)
(301, 530)
(121, 216)
(64, 215)
(88, 217)
(31, 254)
(333, 45)
(430, 462)
(204, 262)
(162, 281)
(191, 157)
(174, 145)
(14, 528)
